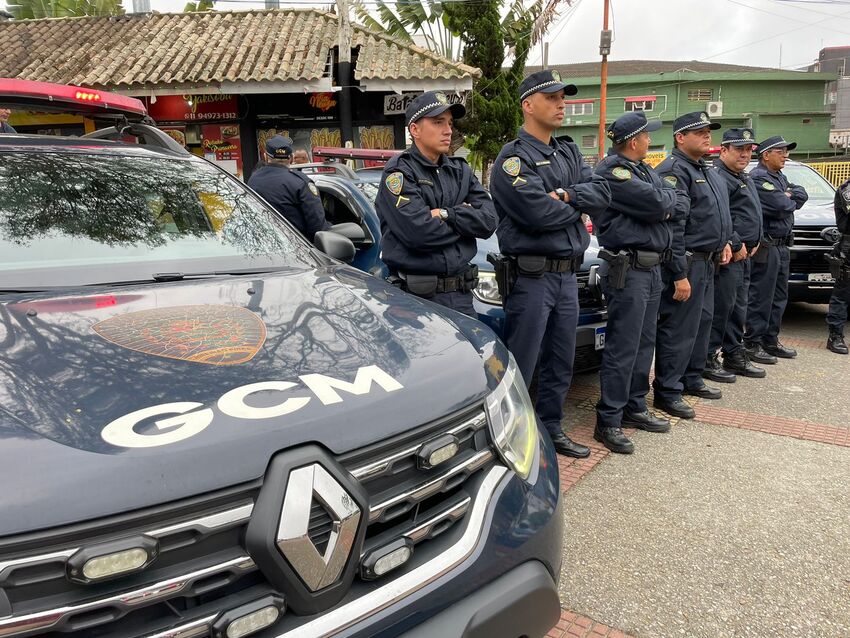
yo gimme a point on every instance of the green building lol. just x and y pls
(773, 102)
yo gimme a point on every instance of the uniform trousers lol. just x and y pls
(731, 292)
(768, 295)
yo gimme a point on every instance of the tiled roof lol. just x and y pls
(650, 67)
(210, 47)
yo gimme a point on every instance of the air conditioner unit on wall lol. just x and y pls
(715, 109)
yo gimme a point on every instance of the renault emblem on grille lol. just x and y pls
(308, 485)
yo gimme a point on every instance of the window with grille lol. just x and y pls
(700, 95)
(647, 105)
(580, 108)
(588, 141)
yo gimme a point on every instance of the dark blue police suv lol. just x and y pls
(210, 428)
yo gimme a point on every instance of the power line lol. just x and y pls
(778, 15)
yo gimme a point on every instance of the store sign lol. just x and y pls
(190, 108)
(222, 145)
(397, 104)
(323, 101)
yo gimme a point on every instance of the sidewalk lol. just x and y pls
(735, 524)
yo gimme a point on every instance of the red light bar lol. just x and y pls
(354, 153)
(64, 97)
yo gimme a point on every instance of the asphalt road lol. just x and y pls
(713, 531)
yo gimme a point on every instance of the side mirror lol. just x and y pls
(335, 245)
(351, 230)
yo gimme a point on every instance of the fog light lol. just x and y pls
(437, 451)
(385, 559)
(110, 560)
(249, 618)
(114, 564)
(253, 622)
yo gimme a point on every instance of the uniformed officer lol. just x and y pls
(541, 187)
(701, 239)
(636, 239)
(291, 193)
(432, 209)
(840, 299)
(769, 282)
(732, 281)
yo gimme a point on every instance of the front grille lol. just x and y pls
(589, 296)
(809, 237)
(203, 569)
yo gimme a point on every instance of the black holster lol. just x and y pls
(506, 273)
(839, 266)
(618, 267)
(689, 260)
(424, 286)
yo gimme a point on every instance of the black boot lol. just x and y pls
(566, 446)
(778, 350)
(677, 408)
(645, 421)
(739, 363)
(714, 371)
(756, 353)
(835, 342)
(705, 392)
(614, 440)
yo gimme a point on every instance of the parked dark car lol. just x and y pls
(809, 278)
(209, 428)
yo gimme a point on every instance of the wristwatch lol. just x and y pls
(561, 193)
(444, 214)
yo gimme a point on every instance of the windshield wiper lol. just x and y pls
(178, 276)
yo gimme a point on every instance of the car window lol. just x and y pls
(336, 212)
(77, 219)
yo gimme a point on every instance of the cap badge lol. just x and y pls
(703, 116)
(441, 97)
(747, 135)
(610, 134)
(556, 76)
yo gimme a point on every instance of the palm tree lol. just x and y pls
(28, 9)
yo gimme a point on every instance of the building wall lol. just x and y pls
(794, 108)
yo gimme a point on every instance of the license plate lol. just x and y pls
(822, 277)
(599, 338)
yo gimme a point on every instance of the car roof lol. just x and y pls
(59, 144)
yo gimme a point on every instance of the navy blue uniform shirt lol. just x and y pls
(531, 222)
(707, 227)
(642, 206)
(415, 242)
(745, 206)
(293, 195)
(776, 205)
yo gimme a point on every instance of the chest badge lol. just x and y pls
(621, 173)
(768, 186)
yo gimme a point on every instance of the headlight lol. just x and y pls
(513, 423)
(487, 290)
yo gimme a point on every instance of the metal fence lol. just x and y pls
(836, 173)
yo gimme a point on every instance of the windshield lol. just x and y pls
(70, 219)
(816, 186)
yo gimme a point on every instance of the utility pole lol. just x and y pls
(344, 75)
(604, 51)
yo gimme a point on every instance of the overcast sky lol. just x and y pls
(747, 32)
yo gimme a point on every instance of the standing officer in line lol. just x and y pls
(769, 283)
(732, 282)
(290, 192)
(840, 267)
(541, 187)
(637, 239)
(702, 239)
(432, 209)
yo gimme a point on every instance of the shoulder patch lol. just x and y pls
(845, 192)
(768, 186)
(395, 182)
(313, 189)
(621, 173)
(672, 180)
(512, 166)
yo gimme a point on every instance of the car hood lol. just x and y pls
(819, 212)
(76, 365)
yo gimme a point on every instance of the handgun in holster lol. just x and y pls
(618, 267)
(839, 265)
(506, 273)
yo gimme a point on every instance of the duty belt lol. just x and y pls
(703, 256)
(778, 241)
(562, 265)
